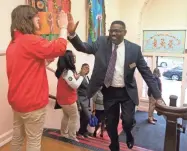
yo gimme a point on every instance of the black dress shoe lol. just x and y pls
(94, 134)
(101, 135)
(130, 141)
(86, 135)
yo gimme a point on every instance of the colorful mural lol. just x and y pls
(171, 41)
(48, 11)
(96, 19)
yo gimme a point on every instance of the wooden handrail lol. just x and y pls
(57, 106)
(50, 69)
(52, 97)
(171, 108)
(2, 53)
(175, 112)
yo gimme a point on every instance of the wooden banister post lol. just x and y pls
(173, 100)
(173, 129)
(170, 143)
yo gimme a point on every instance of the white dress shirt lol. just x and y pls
(118, 78)
(87, 79)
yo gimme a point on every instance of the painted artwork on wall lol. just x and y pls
(48, 12)
(164, 41)
(96, 19)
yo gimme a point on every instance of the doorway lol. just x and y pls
(171, 69)
(166, 48)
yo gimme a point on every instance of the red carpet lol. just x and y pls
(97, 144)
(102, 143)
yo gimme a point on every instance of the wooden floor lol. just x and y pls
(51, 145)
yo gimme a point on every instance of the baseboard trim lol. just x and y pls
(6, 138)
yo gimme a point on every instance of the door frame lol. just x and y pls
(153, 55)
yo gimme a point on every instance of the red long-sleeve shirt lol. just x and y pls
(67, 88)
(27, 78)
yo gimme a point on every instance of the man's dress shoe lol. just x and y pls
(130, 141)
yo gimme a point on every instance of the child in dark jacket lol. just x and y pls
(152, 101)
(99, 112)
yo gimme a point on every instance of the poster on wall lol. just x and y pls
(48, 12)
(95, 19)
(164, 41)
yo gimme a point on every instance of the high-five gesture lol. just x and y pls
(72, 26)
(62, 20)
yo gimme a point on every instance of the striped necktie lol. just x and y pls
(111, 67)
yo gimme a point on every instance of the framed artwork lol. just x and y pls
(164, 41)
(95, 19)
(48, 12)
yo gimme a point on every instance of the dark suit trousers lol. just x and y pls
(113, 98)
(85, 114)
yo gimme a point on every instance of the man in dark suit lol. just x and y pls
(84, 102)
(115, 62)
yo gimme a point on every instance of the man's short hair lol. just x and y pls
(119, 22)
(84, 64)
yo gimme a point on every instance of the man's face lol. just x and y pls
(117, 33)
(86, 68)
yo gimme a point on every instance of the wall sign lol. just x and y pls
(164, 41)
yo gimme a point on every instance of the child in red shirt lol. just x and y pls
(28, 86)
(68, 82)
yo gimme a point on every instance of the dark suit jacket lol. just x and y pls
(102, 49)
(82, 90)
(82, 93)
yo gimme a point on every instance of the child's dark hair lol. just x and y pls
(65, 62)
(84, 64)
(156, 72)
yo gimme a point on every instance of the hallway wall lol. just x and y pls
(167, 14)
